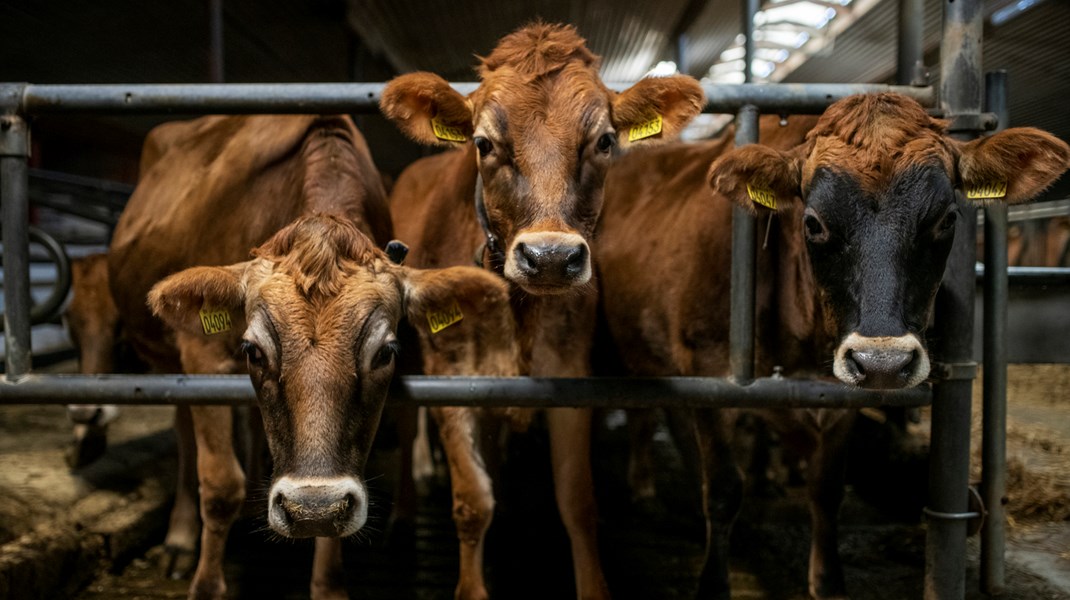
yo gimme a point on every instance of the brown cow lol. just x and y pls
(864, 218)
(533, 142)
(314, 312)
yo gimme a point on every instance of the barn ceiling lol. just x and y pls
(131, 41)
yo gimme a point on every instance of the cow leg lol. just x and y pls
(825, 480)
(570, 453)
(222, 488)
(180, 545)
(328, 576)
(219, 474)
(473, 498)
(722, 494)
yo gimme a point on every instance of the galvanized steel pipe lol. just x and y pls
(290, 98)
(536, 392)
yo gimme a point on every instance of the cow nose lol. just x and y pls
(881, 369)
(550, 259)
(881, 362)
(317, 508)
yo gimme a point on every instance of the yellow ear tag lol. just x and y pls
(645, 130)
(762, 196)
(439, 320)
(987, 191)
(215, 320)
(448, 133)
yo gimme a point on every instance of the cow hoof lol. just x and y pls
(207, 590)
(90, 443)
(322, 593)
(177, 563)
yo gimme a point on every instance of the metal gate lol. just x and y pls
(960, 100)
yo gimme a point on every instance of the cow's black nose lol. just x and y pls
(881, 369)
(551, 260)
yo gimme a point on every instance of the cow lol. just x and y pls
(311, 317)
(531, 146)
(855, 224)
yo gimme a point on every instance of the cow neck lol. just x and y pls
(491, 247)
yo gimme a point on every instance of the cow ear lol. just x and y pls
(656, 109)
(1014, 165)
(427, 109)
(201, 300)
(756, 177)
(464, 321)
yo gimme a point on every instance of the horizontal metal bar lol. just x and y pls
(607, 392)
(1039, 210)
(1032, 276)
(35, 99)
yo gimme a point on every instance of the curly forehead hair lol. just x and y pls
(539, 49)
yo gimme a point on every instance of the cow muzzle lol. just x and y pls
(548, 262)
(881, 363)
(317, 507)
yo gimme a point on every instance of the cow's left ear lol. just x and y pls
(1014, 165)
(757, 177)
(202, 300)
(427, 109)
(464, 321)
(656, 109)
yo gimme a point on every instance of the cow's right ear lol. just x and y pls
(757, 177)
(201, 300)
(427, 109)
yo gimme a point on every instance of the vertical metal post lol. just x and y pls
(215, 42)
(949, 458)
(750, 7)
(911, 35)
(994, 424)
(741, 331)
(14, 198)
(681, 53)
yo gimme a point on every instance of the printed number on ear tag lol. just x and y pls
(644, 130)
(987, 191)
(762, 196)
(448, 133)
(439, 320)
(215, 320)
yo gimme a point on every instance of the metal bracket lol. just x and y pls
(11, 97)
(974, 517)
(954, 371)
(14, 136)
(972, 122)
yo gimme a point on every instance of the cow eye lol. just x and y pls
(607, 142)
(947, 223)
(385, 355)
(253, 353)
(484, 145)
(814, 227)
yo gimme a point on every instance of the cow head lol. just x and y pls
(316, 314)
(542, 129)
(877, 179)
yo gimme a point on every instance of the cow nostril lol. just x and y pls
(909, 365)
(576, 260)
(525, 258)
(854, 368)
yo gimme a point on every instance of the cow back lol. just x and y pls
(214, 188)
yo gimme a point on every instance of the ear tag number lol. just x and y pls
(989, 190)
(762, 196)
(447, 133)
(215, 320)
(644, 130)
(439, 320)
